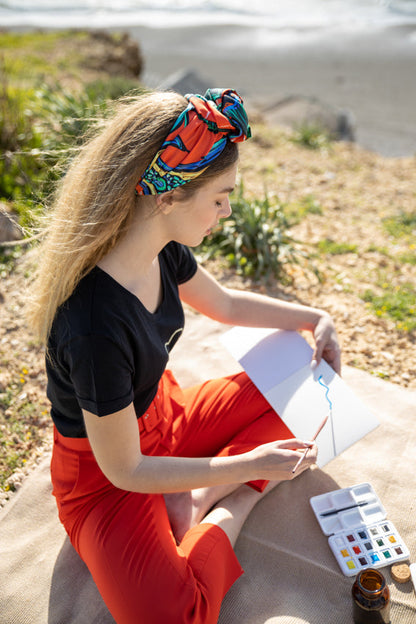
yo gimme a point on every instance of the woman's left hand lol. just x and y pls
(326, 343)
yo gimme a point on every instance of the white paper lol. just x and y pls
(279, 364)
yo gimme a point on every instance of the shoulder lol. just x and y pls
(93, 307)
(176, 252)
(180, 260)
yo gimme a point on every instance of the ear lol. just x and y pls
(166, 201)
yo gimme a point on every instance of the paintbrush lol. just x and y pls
(306, 451)
(335, 511)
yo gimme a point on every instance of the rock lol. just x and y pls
(16, 479)
(9, 231)
(186, 81)
(296, 111)
(117, 56)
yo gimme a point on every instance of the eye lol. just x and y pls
(218, 204)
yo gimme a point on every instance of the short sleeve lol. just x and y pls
(183, 261)
(101, 374)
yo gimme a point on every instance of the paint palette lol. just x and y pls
(360, 535)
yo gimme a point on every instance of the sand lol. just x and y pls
(371, 74)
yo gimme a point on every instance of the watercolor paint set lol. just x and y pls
(360, 536)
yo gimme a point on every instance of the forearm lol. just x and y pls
(255, 310)
(270, 461)
(178, 474)
(238, 307)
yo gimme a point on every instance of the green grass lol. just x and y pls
(296, 211)
(331, 247)
(408, 257)
(40, 126)
(311, 135)
(41, 121)
(401, 225)
(254, 240)
(397, 303)
(43, 41)
(384, 251)
(28, 57)
(21, 423)
(8, 259)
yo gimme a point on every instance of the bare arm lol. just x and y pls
(115, 441)
(235, 307)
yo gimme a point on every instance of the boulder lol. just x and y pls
(117, 55)
(296, 111)
(186, 81)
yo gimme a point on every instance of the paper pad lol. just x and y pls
(278, 362)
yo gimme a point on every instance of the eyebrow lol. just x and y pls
(229, 189)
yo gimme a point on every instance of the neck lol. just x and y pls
(135, 254)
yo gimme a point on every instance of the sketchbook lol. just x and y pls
(279, 364)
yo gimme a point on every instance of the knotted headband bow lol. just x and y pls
(198, 136)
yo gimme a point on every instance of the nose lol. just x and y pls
(226, 209)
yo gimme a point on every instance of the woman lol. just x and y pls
(151, 481)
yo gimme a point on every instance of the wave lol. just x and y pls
(265, 13)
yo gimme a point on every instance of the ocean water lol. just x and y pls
(277, 14)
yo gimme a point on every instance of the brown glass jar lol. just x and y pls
(371, 598)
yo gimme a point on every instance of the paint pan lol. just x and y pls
(360, 536)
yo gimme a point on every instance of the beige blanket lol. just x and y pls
(291, 576)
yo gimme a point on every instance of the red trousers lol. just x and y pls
(125, 538)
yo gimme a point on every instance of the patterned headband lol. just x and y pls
(198, 136)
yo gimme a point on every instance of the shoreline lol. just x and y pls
(370, 74)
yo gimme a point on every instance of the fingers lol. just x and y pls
(336, 362)
(333, 359)
(303, 455)
(316, 357)
(305, 461)
(277, 460)
(293, 444)
(326, 344)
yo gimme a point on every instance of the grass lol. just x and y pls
(384, 251)
(254, 240)
(8, 259)
(401, 225)
(21, 425)
(29, 57)
(408, 257)
(40, 127)
(312, 136)
(297, 211)
(41, 122)
(332, 248)
(395, 302)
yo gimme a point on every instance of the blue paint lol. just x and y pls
(327, 391)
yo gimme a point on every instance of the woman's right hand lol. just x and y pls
(276, 460)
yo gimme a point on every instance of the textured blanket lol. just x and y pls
(291, 575)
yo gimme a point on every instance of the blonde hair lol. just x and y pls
(95, 202)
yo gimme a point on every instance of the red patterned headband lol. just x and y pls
(198, 136)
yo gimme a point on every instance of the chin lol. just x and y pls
(190, 242)
(195, 243)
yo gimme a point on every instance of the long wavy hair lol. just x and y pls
(95, 201)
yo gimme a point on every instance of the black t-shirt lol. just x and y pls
(106, 349)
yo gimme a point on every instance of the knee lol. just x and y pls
(185, 604)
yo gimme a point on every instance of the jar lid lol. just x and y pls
(400, 572)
